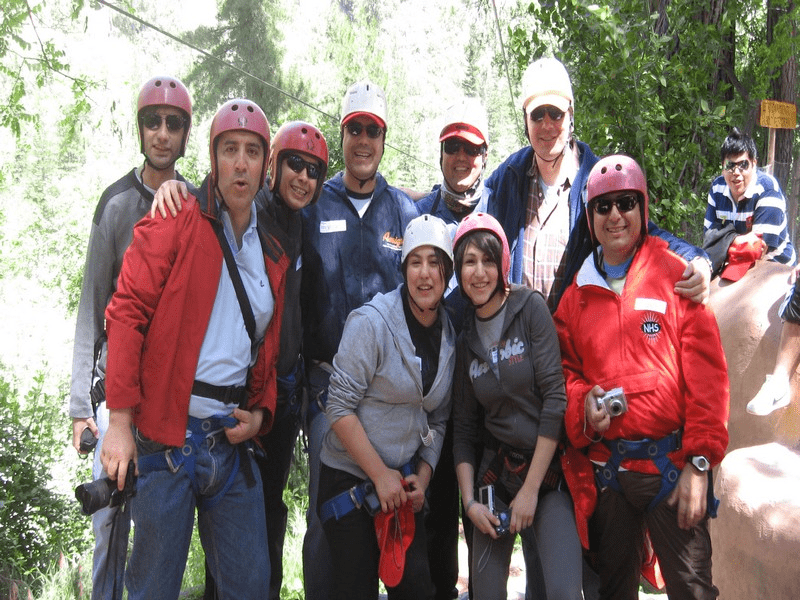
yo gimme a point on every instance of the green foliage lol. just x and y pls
(36, 522)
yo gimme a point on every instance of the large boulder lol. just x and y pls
(747, 314)
(756, 537)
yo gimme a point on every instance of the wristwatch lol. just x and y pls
(700, 463)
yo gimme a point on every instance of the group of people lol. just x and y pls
(528, 350)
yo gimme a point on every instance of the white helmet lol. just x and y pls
(546, 81)
(427, 230)
(466, 119)
(364, 97)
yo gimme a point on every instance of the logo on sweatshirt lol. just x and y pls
(392, 243)
(651, 327)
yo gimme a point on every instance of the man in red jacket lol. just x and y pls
(193, 342)
(647, 395)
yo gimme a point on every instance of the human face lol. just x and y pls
(424, 280)
(240, 160)
(618, 232)
(362, 155)
(479, 275)
(297, 189)
(739, 179)
(162, 146)
(548, 136)
(461, 169)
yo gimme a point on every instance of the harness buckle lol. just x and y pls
(352, 492)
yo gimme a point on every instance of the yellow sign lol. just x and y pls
(778, 115)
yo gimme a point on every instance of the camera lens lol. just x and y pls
(615, 408)
(95, 495)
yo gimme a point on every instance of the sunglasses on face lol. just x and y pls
(297, 164)
(152, 121)
(626, 203)
(373, 130)
(742, 165)
(453, 146)
(537, 114)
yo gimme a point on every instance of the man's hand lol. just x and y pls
(119, 447)
(695, 281)
(168, 196)
(249, 425)
(597, 417)
(78, 425)
(750, 238)
(690, 496)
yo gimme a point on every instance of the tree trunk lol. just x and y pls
(784, 89)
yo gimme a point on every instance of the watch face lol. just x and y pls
(701, 463)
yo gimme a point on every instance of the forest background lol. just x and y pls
(662, 80)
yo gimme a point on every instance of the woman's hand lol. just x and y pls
(389, 487)
(168, 197)
(483, 519)
(523, 508)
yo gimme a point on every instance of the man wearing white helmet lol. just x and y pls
(164, 118)
(352, 243)
(464, 143)
(538, 193)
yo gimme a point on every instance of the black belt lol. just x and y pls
(227, 394)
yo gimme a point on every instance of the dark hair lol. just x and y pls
(445, 265)
(486, 242)
(737, 143)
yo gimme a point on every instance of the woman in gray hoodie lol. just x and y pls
(388, 403)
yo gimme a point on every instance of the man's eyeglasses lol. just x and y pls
(373, 130)
(452, 146)
(152, 121)
(625, 203)
(297, 164)
(537, 114)
(742, 165)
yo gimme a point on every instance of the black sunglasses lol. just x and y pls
(373, 130)
(452, 146)
(742, 165)
(152, 121)
(626, 203)
(297, 164)
(537, 114)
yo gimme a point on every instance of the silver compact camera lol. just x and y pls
(614, 402)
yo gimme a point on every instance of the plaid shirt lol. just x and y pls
(546, 236)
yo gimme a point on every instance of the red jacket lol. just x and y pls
(663, 349)
(157, 319)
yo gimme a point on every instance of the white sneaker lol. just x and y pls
(774, 394)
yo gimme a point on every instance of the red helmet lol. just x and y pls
(165, 91)
(479, 221)
(300, 137)
(616, 173)
(239, 115)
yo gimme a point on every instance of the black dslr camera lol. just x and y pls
(103, 492)
(486, 497)
(614, 402)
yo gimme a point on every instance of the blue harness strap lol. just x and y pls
(646, 449)
(352, 499)
(186, 455)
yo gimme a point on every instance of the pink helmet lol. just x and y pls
(479, 221)
(165, 91)
(239, 115)
(300, 137)
(616, 173)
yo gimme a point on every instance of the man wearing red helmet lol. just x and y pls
(193, 338)
(647, 395)
(164, 118)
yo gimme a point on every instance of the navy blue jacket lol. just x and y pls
(348, 259)
(507, 201)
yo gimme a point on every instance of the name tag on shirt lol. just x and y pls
(332, 226)
(651, 304)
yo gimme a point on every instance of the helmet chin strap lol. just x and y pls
(435, 307)
(479, 306)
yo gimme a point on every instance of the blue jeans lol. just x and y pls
(108, 566)
(317, 560)
(233, 531)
